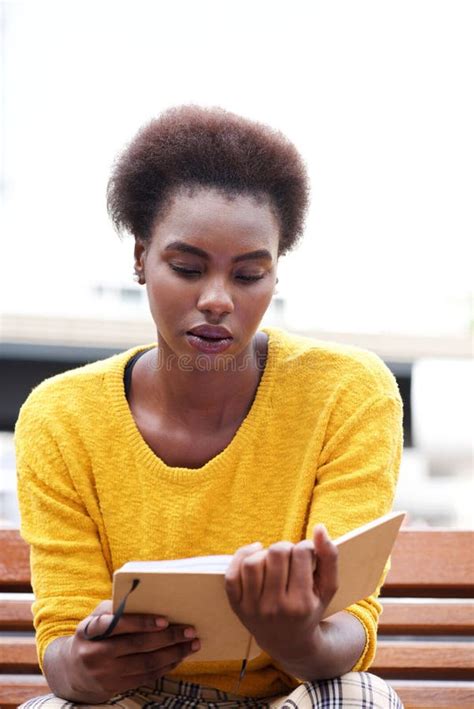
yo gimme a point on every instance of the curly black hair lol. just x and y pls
(208, 147)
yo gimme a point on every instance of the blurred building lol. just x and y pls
(435, 377)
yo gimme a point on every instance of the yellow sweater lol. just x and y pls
(321, 443)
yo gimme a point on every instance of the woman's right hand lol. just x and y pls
(140, 649)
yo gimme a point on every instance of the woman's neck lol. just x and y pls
(209, 400)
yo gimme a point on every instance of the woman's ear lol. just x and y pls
(139, 253)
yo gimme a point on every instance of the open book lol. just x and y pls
(193, 591)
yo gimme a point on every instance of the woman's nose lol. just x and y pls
(215, 298)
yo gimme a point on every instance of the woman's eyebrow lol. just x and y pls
(187, 248)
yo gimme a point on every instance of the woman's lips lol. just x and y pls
(210, 332)
(208, 345)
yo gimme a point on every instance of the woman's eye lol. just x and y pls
(187, 272)
(194, 273)
(248, 279)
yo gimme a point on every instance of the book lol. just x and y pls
(192, 590)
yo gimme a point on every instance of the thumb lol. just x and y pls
(326, 573)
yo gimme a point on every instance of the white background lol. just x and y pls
(378, 97)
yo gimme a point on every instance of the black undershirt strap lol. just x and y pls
(127, 375)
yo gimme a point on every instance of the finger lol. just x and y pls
(277, 567)
(135, 643)
(149, 662)
(326, 574)
(94, 625)
(233, 580)
(300, 576)
(103, 607)
(252, 571)
(97, 623)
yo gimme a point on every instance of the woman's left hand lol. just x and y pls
(280, 596)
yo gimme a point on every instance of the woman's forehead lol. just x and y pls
(204, 215)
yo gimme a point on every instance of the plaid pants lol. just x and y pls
(354, 690)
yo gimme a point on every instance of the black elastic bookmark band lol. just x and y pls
(243, 666)
(242, 673)
(117, 615)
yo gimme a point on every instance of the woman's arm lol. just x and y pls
(356, 481)
(355, 484)
(281, 599)
(333, 650)
(70, 576)
(56, 671)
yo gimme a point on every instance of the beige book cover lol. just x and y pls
(193, 591)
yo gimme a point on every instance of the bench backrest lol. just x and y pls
(428, 614)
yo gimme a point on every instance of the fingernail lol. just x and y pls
(195, 645)
(189, 633)
(255, 545)
(161, 623)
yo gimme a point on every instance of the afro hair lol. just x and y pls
(206, 147)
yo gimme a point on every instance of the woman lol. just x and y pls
(217, 436)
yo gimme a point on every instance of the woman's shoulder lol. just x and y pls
(309, 360)
(77, 388)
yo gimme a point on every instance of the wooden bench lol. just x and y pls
(424, 647)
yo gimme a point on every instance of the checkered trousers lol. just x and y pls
(354, 690)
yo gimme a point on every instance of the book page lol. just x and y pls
(217, 563)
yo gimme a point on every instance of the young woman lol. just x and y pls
(218, 438)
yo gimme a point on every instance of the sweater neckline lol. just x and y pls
(241, 440)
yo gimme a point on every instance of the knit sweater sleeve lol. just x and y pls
(70, 575)
(356, 479)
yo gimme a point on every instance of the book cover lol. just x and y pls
(192, 590)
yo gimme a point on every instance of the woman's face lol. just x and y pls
(210, 271)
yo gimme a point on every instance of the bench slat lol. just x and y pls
(416, 694)
(401, 618)
(18, 654)
(423, 618)
(427, 618)
(15, 614)
(424, 659)
(410, 659)
(430, 561)
(14, 562)
(443, 559)
(16, 689)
